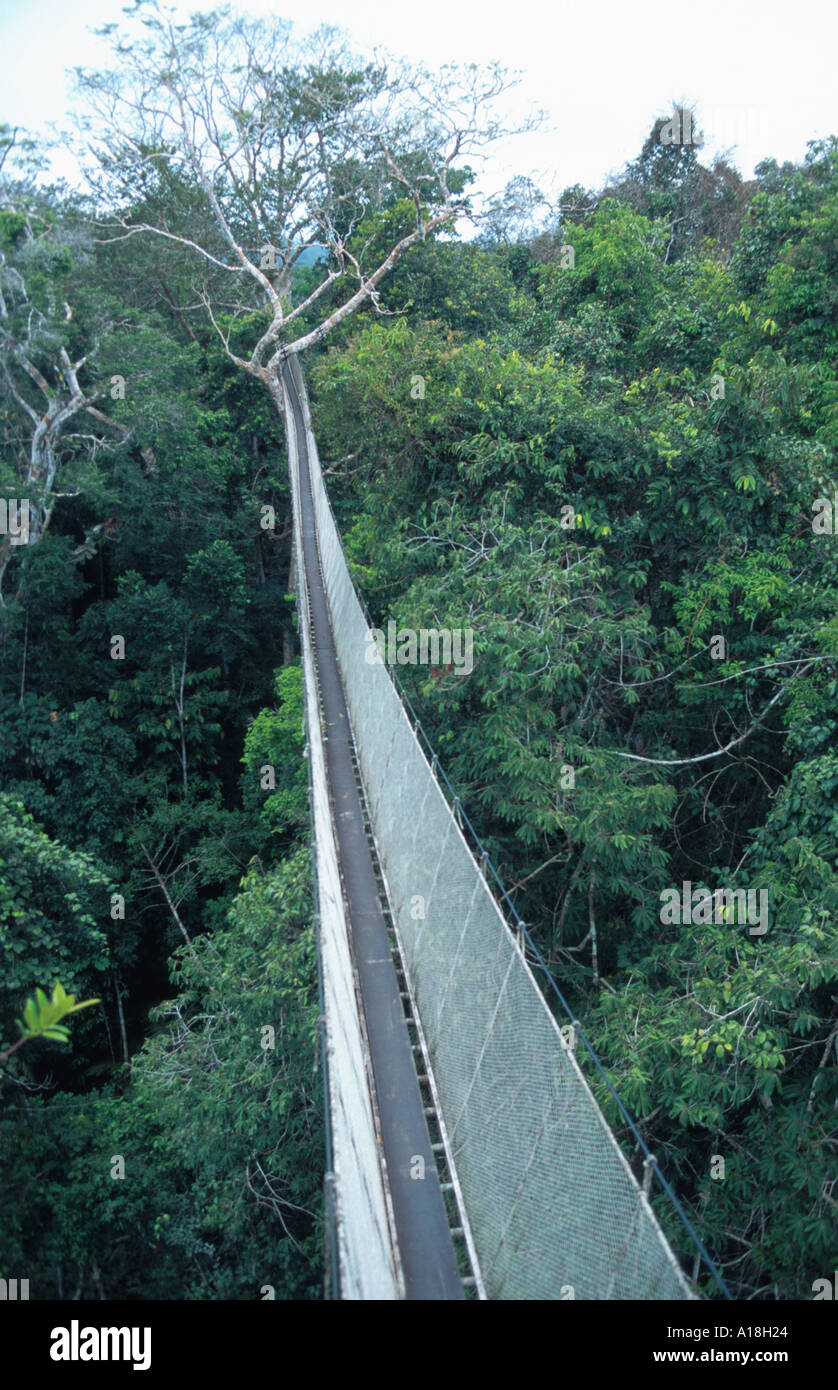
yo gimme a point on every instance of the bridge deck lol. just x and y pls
(426, 1250)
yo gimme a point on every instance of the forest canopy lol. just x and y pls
(601, 435)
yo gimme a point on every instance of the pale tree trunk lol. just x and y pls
(38, 484)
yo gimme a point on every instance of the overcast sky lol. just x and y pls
(761, 73)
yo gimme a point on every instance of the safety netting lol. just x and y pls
(553, 1206)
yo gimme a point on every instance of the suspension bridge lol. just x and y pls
(467, 1157)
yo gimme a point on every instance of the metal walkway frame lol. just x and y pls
(425, 1263)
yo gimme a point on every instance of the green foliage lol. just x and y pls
(457, 284)
(42, 1017)
(52, 903)
(122, 819)
(603, 488)
(275, 740)
(601, 465)
(667, 182)
(220, 1133)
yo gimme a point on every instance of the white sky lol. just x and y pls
(761, 71)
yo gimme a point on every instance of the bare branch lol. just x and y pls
(718, 752)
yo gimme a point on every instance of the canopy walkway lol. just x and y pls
(467, 1155)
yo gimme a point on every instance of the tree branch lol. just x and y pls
(734, 742)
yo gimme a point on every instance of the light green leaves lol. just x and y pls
(42, 1016)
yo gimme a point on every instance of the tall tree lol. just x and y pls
(668, 181)
(285, 148)
(44, 352)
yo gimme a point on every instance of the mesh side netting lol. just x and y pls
(550, 1198)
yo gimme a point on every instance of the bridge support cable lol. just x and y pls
(423, 1262)
(553, 1208)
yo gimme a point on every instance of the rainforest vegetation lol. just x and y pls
(598, 439)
